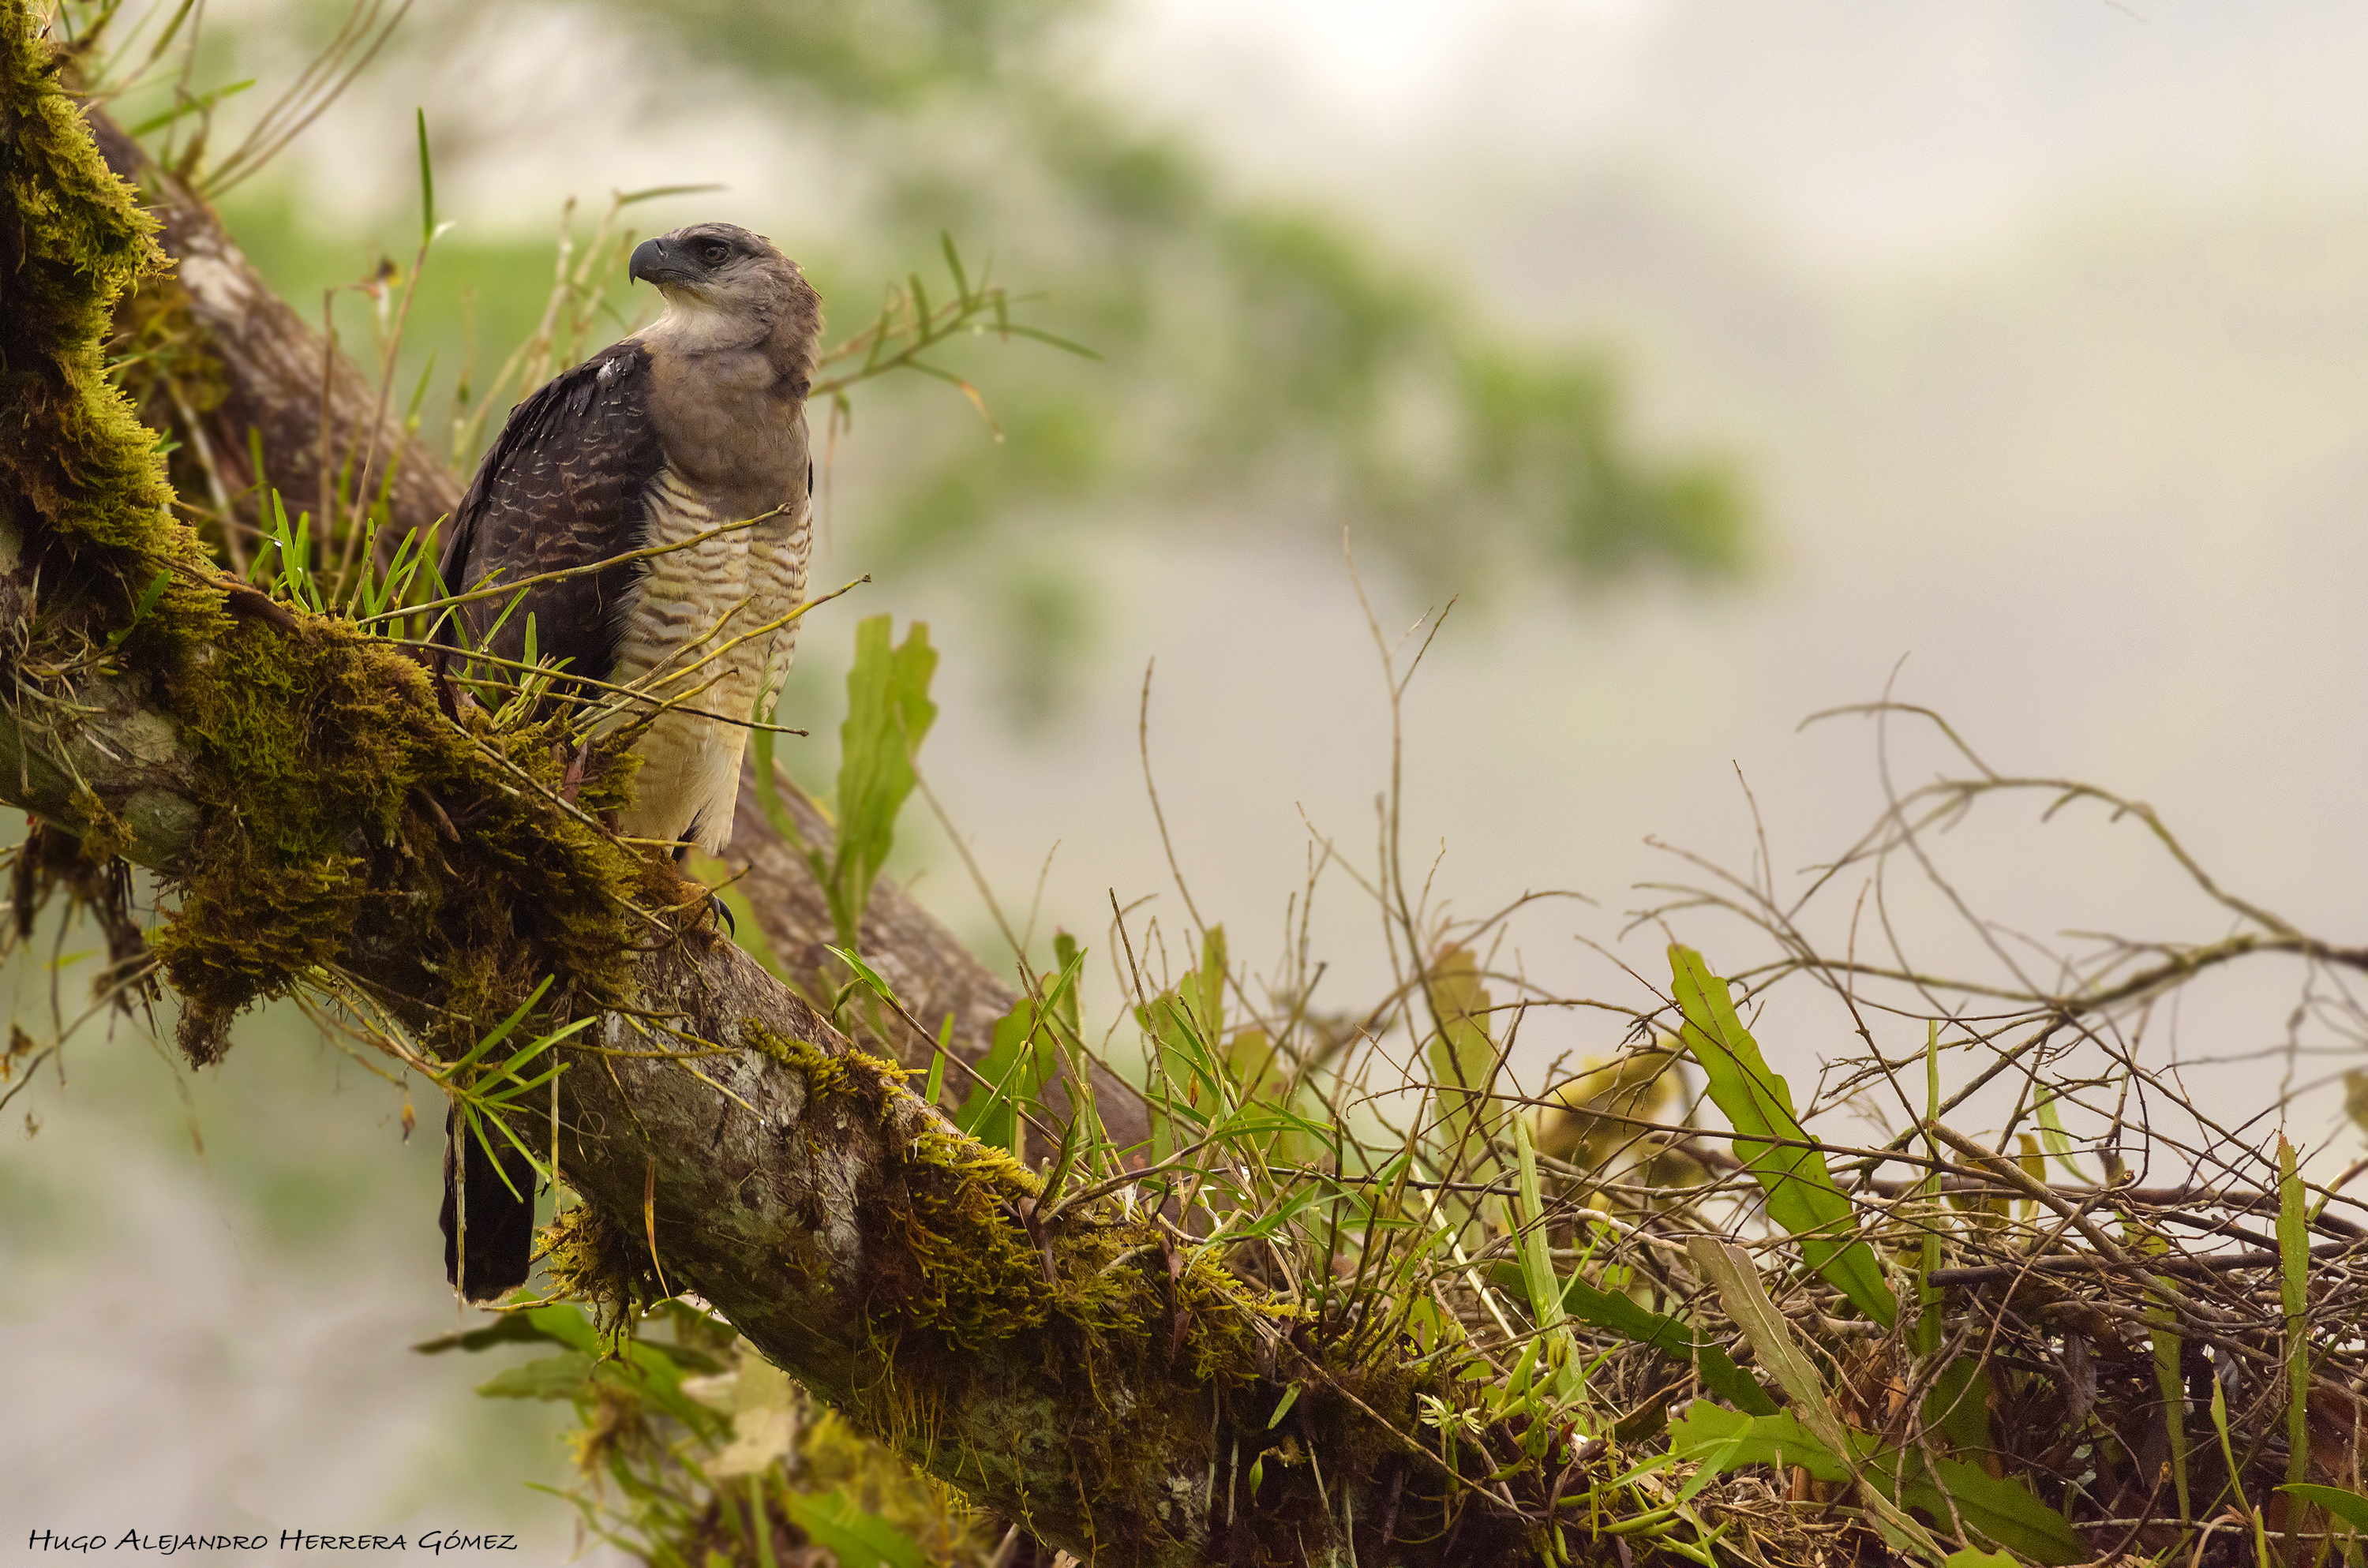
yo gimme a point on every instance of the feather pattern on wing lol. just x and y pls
(566, 484)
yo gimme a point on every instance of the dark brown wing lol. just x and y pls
(563, 486)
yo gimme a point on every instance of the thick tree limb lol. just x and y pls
(728, 1141)
(1097, 1374)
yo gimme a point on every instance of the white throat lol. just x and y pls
(692, 326)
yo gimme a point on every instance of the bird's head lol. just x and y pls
(725, 287)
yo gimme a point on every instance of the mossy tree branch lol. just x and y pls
(243, 374)
(1100, 1377)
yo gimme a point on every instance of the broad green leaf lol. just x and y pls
(1461, 1055)
(2004, 1511)
(1537, 1266)
(871, 979)
(1017, 1064)
(2228, 1457)
(2050, 1127)
(1621, 1316)
(2002, 1508)
(856, 1538)
(2294, 1267)
(1959, 1403)
(2355, 1097)
(2172, 1384)
(566, 1326)
(427, 185)
(547, 1377)
(1801, 1196)
(1205, 988)
(2348, 1507)
(1183, 1029)
(555, 1325)
(1723, 1439)
(1731, 1270)
(1069, 959)
(1972, 1557)
(888, 713)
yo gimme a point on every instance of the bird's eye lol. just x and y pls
(714, 252)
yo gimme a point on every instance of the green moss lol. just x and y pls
(590, 1257)
(872, 1082)
(75, 459)
(325, 763)
(967, 1311)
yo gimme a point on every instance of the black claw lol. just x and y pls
(722, 913)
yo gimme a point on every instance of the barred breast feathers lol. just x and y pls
(704, 630)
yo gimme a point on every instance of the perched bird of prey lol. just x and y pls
(695, 423)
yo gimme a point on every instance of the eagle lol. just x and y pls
(690, 432)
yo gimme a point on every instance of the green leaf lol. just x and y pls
(197, 104)
(1183, 1029)
(501, 1031)
(1067, 346)
(937, 1081)
(2051, 1132)
(1723, 1440)
(1461, 1055)
(2294, 1267)
(1018, 1063)
(2002, 1508)
(426, 185)
(2004, 1511)
(548, 1377)
(856, 1538)
(510, 1328)
(1621, 1316)
(148, 598)
(888, 713)
(1537, 1264)
(1973, 1557)
(1801, 1196)
(2172, 1385)
(2348, 1507)
(953, 264)
(873, 980)
(1959, 1403)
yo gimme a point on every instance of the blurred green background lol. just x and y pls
(1260, 357)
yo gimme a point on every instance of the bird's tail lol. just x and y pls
(488, 1222)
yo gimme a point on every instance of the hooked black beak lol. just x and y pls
(652, 263)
